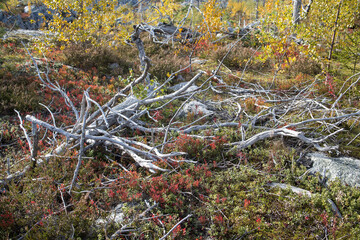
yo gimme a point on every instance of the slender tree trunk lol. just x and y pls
(296, 11)
(239, 20)
(334, 33)
(35, 133)
(355, 65)
(257, 10)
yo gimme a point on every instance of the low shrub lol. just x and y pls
(239, 58)
(86, 56)
(18, 91)
(241, 205)
(17, 84)
(304, 65)
(165, 62)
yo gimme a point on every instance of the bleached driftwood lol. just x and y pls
(283, 132)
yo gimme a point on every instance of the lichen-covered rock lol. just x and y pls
(195, 107)
(345, 168)
(33, 22)
(116, 216)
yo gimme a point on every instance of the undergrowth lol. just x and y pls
(223, 195)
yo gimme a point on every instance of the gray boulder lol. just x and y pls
(39, 9)
(29, 25)
(10, 20)
(35, 16)
(114, 66)
(116, 216)
(195, 107)
(36, 9)
(4, 19)
(345, 168)
(33, 22)
(37, 21)
(15, 19)
(20, 22)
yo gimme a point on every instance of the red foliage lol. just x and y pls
(246, 203)
(324, 218)
(158, 115)
(258, 220)
(329, 81)
(202, 219)
(219, 219)
(6, 219)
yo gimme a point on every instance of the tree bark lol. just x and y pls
(334, 33)
(257, 10)
(296, 11)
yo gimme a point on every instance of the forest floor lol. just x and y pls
(232, 166)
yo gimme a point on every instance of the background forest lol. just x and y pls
(179, 119)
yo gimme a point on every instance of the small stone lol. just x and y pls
(198, 61)
(114, 66)
(116, 216)
(195, 107)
